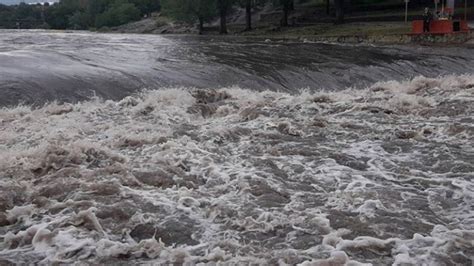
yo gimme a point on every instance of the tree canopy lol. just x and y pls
(76, 14)
(190, 10)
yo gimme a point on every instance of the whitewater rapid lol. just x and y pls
(380, 176)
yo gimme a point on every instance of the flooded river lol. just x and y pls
(237, 152)
(39, 66)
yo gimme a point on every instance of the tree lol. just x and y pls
(146, 7)
(248, 15)
(119, 13)
(6, 16)
(79, 21)
(57, 15)
(190, 11)
(287, 6)
(223, 6)
(339, 5)
(247, 4)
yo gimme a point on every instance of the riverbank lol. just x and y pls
(423, 39)
(379, 32)
(362, 32)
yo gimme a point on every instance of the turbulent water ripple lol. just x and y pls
(382, 175)
(41, 66)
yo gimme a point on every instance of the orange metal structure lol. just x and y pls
(441, 26)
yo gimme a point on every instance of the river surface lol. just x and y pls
(40, 66)
(233, 151)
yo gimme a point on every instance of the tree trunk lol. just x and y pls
(248, 14)
(286, 12)
(223, 14)
(339, 4)
(201, 25)
(327, 7)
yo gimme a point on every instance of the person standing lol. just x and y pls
(427, 18)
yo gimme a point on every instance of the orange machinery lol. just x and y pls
(441, 26)
(445, 24)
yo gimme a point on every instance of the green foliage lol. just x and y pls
(79, 20)
(146, 7)
(29, 16)
(189, 10)
(119, 13)
(225, 4)
(76, 14)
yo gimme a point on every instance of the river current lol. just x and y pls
(134, 149)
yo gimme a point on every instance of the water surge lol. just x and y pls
(381, 175)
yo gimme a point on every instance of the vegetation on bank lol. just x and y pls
(275, 17)
(76, 14)
(87, 14)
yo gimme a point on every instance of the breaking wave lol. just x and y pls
(382, 175)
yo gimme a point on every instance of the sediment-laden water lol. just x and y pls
(382, 175)
(41, 66)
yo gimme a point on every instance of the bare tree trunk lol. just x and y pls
(284, 20)
(201, 25)
(248, 14)
(339, 4)
(327, 7)
(286, 11)
(223, 15)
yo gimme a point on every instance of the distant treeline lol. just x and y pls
(76, 14)
(90, 14)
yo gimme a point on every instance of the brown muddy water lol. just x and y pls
(379, 174)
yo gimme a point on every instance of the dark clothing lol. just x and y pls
(427, 18)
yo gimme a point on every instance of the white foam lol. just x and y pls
(263, 177)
